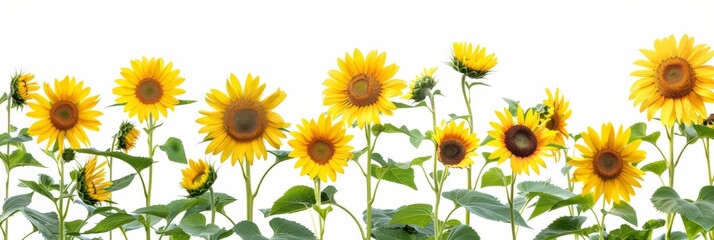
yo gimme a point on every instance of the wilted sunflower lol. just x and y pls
(198, 177)
(91, 187)
(473, 62)
(22, 88)
(456, 146)
(64, 114)
(606, 163)
(242, 121)
(360, 89)
(559, 112)
(127, 136)
(524, 141)
(321, 148)
(674, 80)
(148, 88)
(421, 85)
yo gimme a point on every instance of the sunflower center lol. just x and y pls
(452, 152)
(321, 151)
(245, 120)
(64, 115)
(363, 90)
(675, 78)
(608, 164)
(552, 124)
(521, 141)
(149, 91)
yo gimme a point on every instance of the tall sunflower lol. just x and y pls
(523, 141)
(360, 89)
(675, 80)
(606, 163)
(421, 85)
(456, 146)
(22, 88)
(91, 187)
(559, 112)
(472, 61)
(242, 121)
(198, 177)
(321, 148)
(148, 87)
(64, 114)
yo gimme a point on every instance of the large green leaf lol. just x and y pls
(295, 199)
(46, 223)
(22, 136)
(403, 105)
(626, 232)
(138, 163)
(483, 205)
(677, 235)
(415, 136)
(20, 158)
(419, 161)
(383, 229)
(495, 177)
(565, 225)
(667, 200)
(531, 189)
(283, 230)
(111, 222)
(657, 167)
(638, 131)
(121, 183)
(396, 173)
(625, 211)
(173, 147)
(42, 190)
(195, 225)
(178, 206)
(463, 232)
(417, 214)
(584, 202)
(691, 228)
(14, 204)
(161, 211)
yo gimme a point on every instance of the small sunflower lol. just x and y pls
(321, 148)
(360, 89)
(148, 88)
(456, 146)
(470, 61)
(242, 121)
(127, 136)
(198, 177)
(91, 186)
(64, 114)
(559, 112)
(675, 81)
(606, 163)
(524, 142)
(421, 85)
(22, 88)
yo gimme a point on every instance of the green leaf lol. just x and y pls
(195, 225)
(181, 102)
(654, 224)
(478, 83)
(483, 205)
(456, 117)
(512, 106)
(161, 211)
(657, 167)
(178, 206)
(417, 214)
(677, 235)
(14, 204)
(121, 183)
(173, 147)
(463, 232)
(283, 230)
(691, 228)
(280, 155)
(419, 161)
(531, 189)
(415, 137)
(544, 204)
(20, 158)
(73, 227)
(639, 131)
(22, 136)
(487, 155)
(403, 105)
(439, 174)
(584, 202)
(667, 200)
(296, 199)
(382, 229)
(624, 211)
(625, 232)
(111, 222)
(495, 177)
(46, 223)
(221, 200)
(396, 173)
(4, 98)
(37, 188)
(566, 225)
(138, 163)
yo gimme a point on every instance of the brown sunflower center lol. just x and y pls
(608, 164)
(521, 141)
(363, 90)
(245, 120)
(452, 152)
(675, 78)
(64, 115)
(321, 151)
(149, 91)
(552, 124)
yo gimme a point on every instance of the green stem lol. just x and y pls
(318, 207)
(213, 206)
(255, 193)
(61, 214)
(437, 184)
(670, 171)
(602, 221)
(28, 235)
(709, 166)
(151, 126)
(438, 228)
(359, 226)
(111, 175)
(248, 191)
(511, 206)
(368, 135)
(478, 177)
(228, 218)
(6, 230)
(466, 92)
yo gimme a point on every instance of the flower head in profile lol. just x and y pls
(241, 121)
(22, 88)
(558, 112)
(321, 147)
(127, 136)
(360, 90)
(91, 184)
(606, 163)
(198, 177)
(455, 145)
(675, 81)
(421, 86)
(472, 61)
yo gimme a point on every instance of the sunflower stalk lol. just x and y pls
(318, 208)
(213, 205)
(111, 175)
(670, 170)
(368, 176)
(438, 228)
(6, 230)
(466, 92)
(509, 195)
(61, 210)
(437, 184)
(151, 126)
(710, 178)
(249, 197)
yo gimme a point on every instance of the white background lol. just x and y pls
(586, 49)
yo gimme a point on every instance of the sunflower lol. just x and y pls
(359, 91)
(91, 187)
(127, 136)
(148, 88)
(606, 163)
(321, 148)
(709, 121)
(22, 88)
(470, 61)
(559, 112)
(421, 85)
(456, 146)
(524, 142)
(674, 80)
(242, 121)
(64, 114)
(198, 177)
